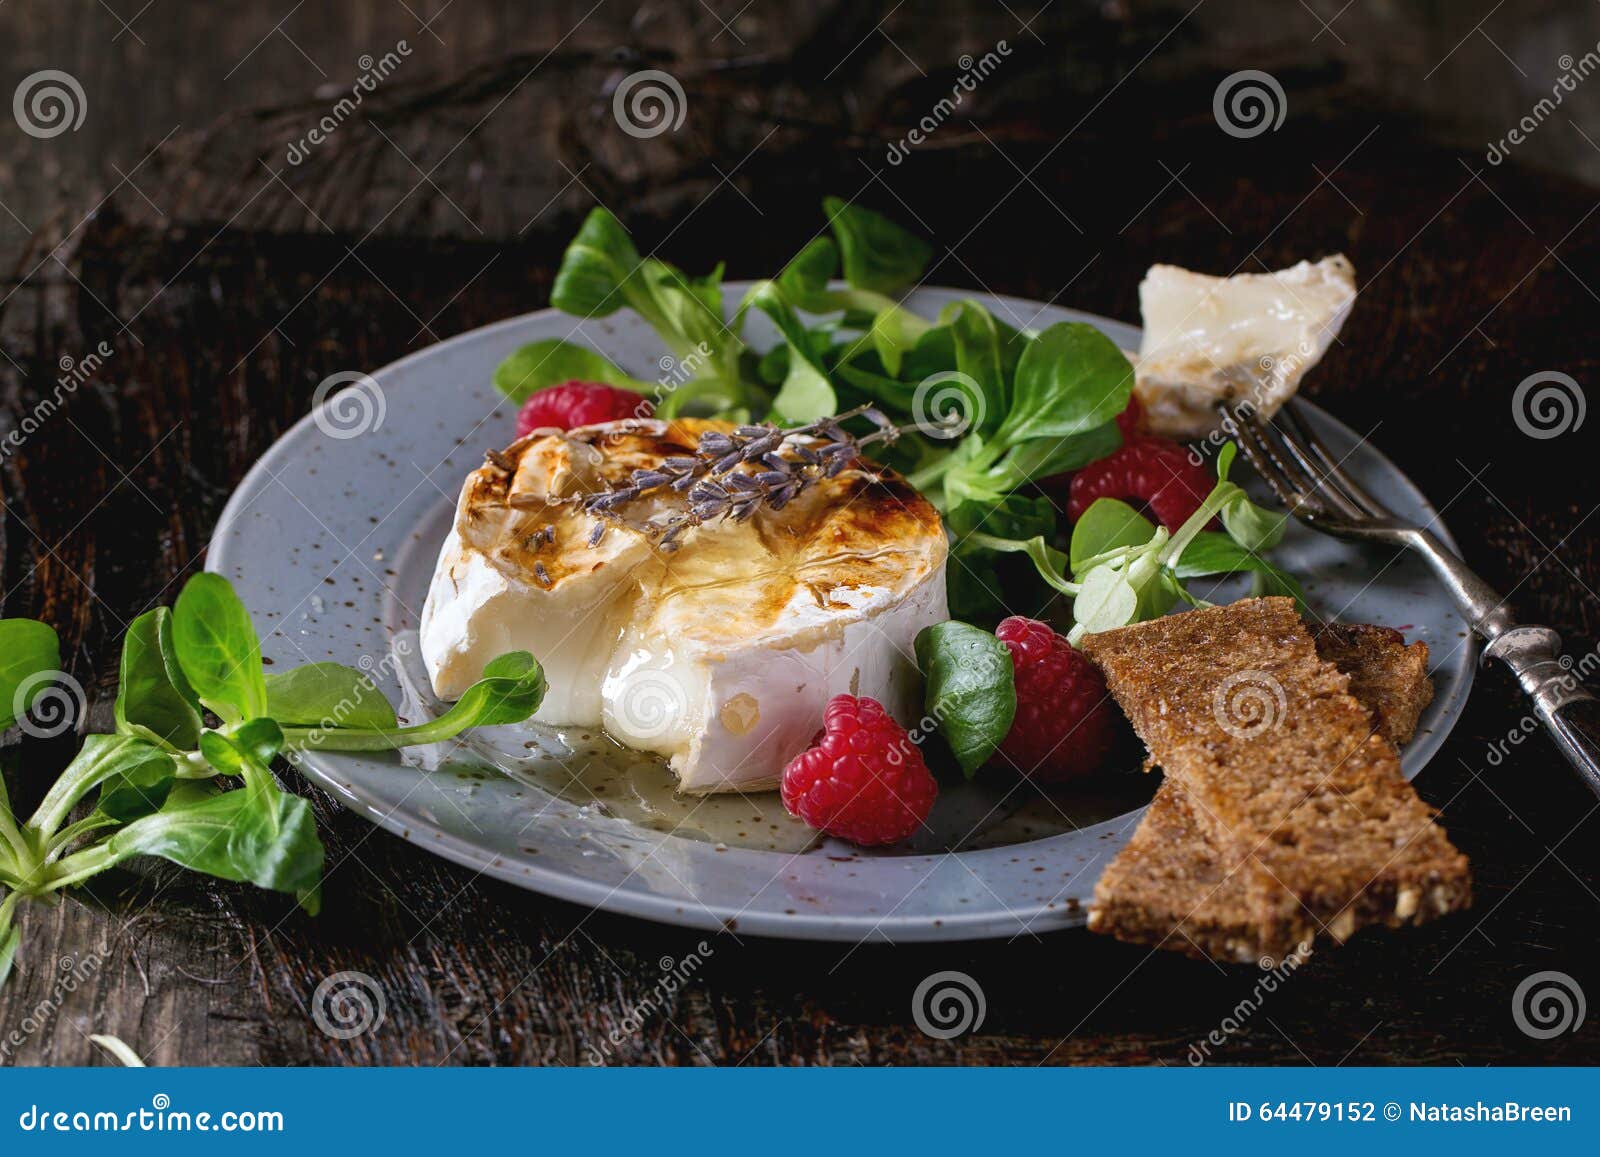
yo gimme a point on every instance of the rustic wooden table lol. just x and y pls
(229, 282)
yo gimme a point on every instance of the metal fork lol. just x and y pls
(1310, 481)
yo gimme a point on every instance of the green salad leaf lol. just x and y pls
(27, 650)
(511, 689)
(102, 759)
(154, 697)
(158, 784)
(969, 689)
(1109, 524)
(1125, 569)
(1068, 386)
(140, 784)
(806, 393)
(217, 648)
(251, 835)
(974, 570)
(806, 282)
(877, 254)
(1247, 524)
(1070, 379)
(327, 695)
(602, 272)
(550, 362)
(1213, 553)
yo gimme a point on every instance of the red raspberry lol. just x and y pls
(1065, 726)
(580, 404)
(1131, 420)
(1154, 471)
(863, 779)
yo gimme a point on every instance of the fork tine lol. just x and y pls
(1303, 467)
(1300, 430)
(1320, 481)
(1252, 442)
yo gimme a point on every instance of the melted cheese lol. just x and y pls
(720, 655)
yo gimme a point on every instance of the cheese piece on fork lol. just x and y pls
(1247, 338)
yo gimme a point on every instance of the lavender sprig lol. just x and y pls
(790, 460)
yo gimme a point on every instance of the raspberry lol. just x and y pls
(1064, 726)
(1151, 470)
(863, 779)
(1131, 420)
(580, 404)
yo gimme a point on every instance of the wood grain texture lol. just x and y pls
(231, 292)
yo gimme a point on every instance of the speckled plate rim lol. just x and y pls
(229, 549)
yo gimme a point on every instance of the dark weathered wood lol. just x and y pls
(1472, 277)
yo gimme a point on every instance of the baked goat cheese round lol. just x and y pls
(718, 654)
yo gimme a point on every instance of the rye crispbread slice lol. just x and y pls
(1387, 677)
(1276, 823)
(1170, 886)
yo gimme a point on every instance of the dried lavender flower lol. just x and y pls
(715, 487)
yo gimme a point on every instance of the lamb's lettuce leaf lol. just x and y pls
(217, 648)
(552, 361)
(28, 649)
(969, 690)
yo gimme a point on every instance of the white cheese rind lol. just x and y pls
(476, 612)
(730, 718)
(1250, 337)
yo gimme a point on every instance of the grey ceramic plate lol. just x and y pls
(331, 539)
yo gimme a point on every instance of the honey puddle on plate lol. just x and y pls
(592, 771)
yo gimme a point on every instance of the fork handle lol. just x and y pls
(1560, 701)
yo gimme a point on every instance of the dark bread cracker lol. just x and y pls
(1387, 677)
(1271, 826)
(1172, 887)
